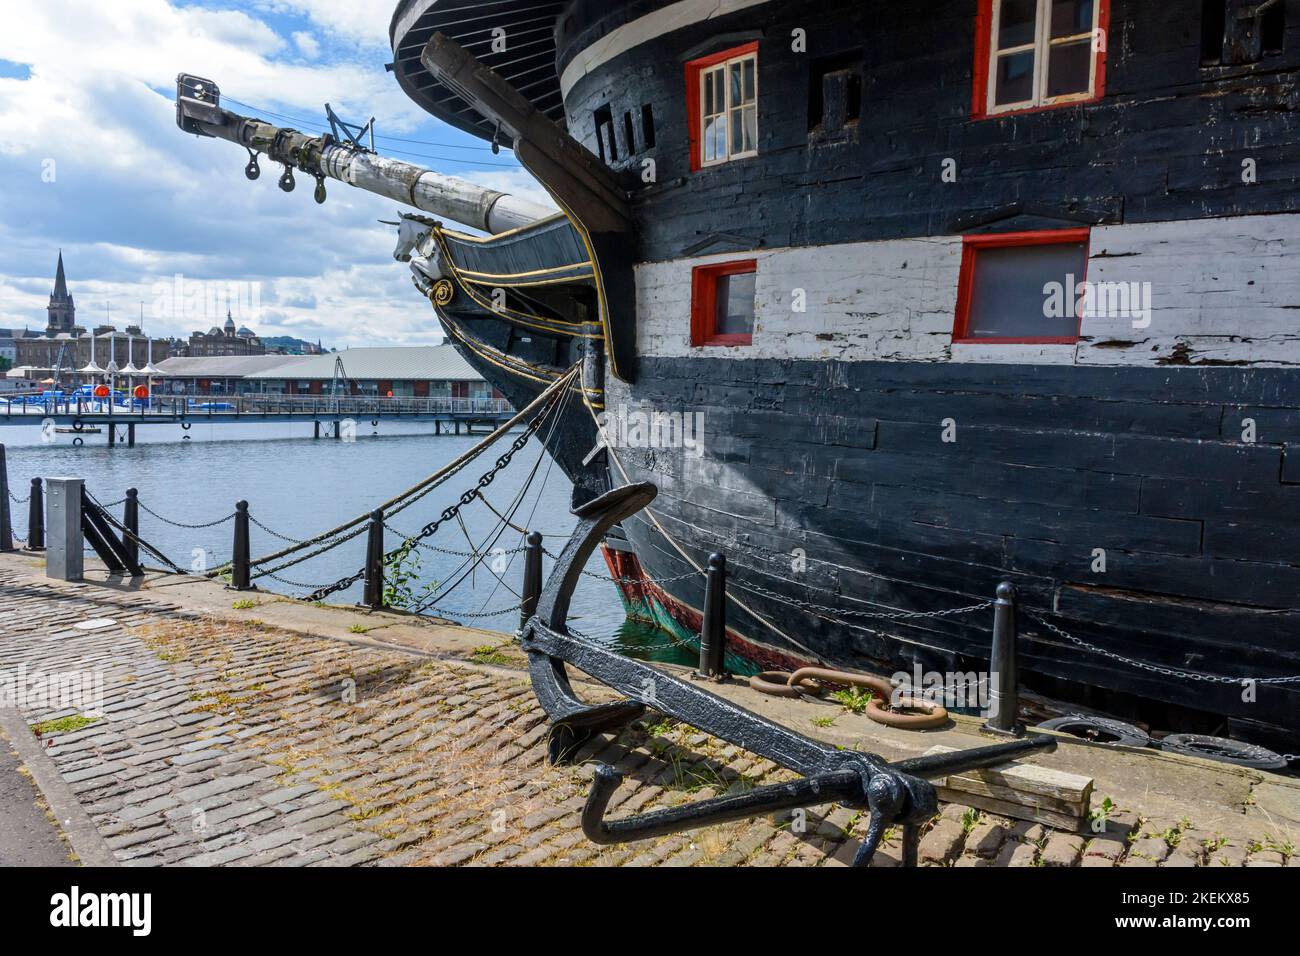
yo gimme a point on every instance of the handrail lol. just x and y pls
(253, 404)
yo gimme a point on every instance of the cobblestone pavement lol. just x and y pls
(238, 743)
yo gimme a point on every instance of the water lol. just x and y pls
(298, 486)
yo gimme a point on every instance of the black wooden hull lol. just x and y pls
(839, 470)
(844, 466)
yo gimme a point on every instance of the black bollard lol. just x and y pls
(36, 518)
(532, 578)
(6, 524)
(131, 521)
(1004, 696)
(713, 629)
(239, 571)
(374, 587)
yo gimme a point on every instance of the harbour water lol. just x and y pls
(297, 486)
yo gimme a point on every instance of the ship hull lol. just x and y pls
(1136, 523)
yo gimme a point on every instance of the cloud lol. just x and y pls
(307, 45)
(91, 161)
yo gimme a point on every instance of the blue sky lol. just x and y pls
(91, 161)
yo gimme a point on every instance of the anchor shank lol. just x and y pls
(844, 787)
(686, 702)
(938, 765)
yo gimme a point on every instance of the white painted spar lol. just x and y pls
(1221, 290)
(446, 196)
(658, 23)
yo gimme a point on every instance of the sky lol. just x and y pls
(92, 162)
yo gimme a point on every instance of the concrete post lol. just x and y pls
(63, 547)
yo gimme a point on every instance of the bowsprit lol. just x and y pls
(897, 793)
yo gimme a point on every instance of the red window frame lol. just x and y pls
(693, 70)
(984, 57)
(704, 302)
(971, 246)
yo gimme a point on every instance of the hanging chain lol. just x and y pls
(276, 534)
(193, 527)
(1156, 668)
(449, 512)
(852, 612)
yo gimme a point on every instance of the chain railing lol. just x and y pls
(1161, 669)
(452, 510)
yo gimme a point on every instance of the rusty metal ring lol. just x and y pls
(878, 685)
(933, 715)
(774, 684)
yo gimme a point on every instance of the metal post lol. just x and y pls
(64, 559)
(532, 578)
(36, 518)
(131, 521)
(239, 571)
(6, 524)
(315, 428)
(112, 429)
(713, 629)
(130, 435)
(374, 587)
(1004, 698)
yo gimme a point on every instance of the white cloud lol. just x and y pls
(307, 45)
(134, 201)
(364, 21)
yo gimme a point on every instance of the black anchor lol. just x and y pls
(893, 794)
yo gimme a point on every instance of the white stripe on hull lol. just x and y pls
(1222, 290)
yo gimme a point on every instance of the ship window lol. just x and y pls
(722, 106)
(628, 135)
(722, 303)
(605, 145)
(834, 95)
(1239, 32)
(1021, 287)
(1039, 53)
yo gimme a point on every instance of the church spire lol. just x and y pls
(62, 311)
(60, 282)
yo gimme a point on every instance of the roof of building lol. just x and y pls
(399, 363)
(218, 366)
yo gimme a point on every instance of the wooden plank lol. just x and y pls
(1023, 791)
(1017, 811)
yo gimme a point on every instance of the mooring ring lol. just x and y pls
(78, 440)
(775, 684)
(877, 685)
(932, 714)
(78, 424)
(185, 426)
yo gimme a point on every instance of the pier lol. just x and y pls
(327, 414)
